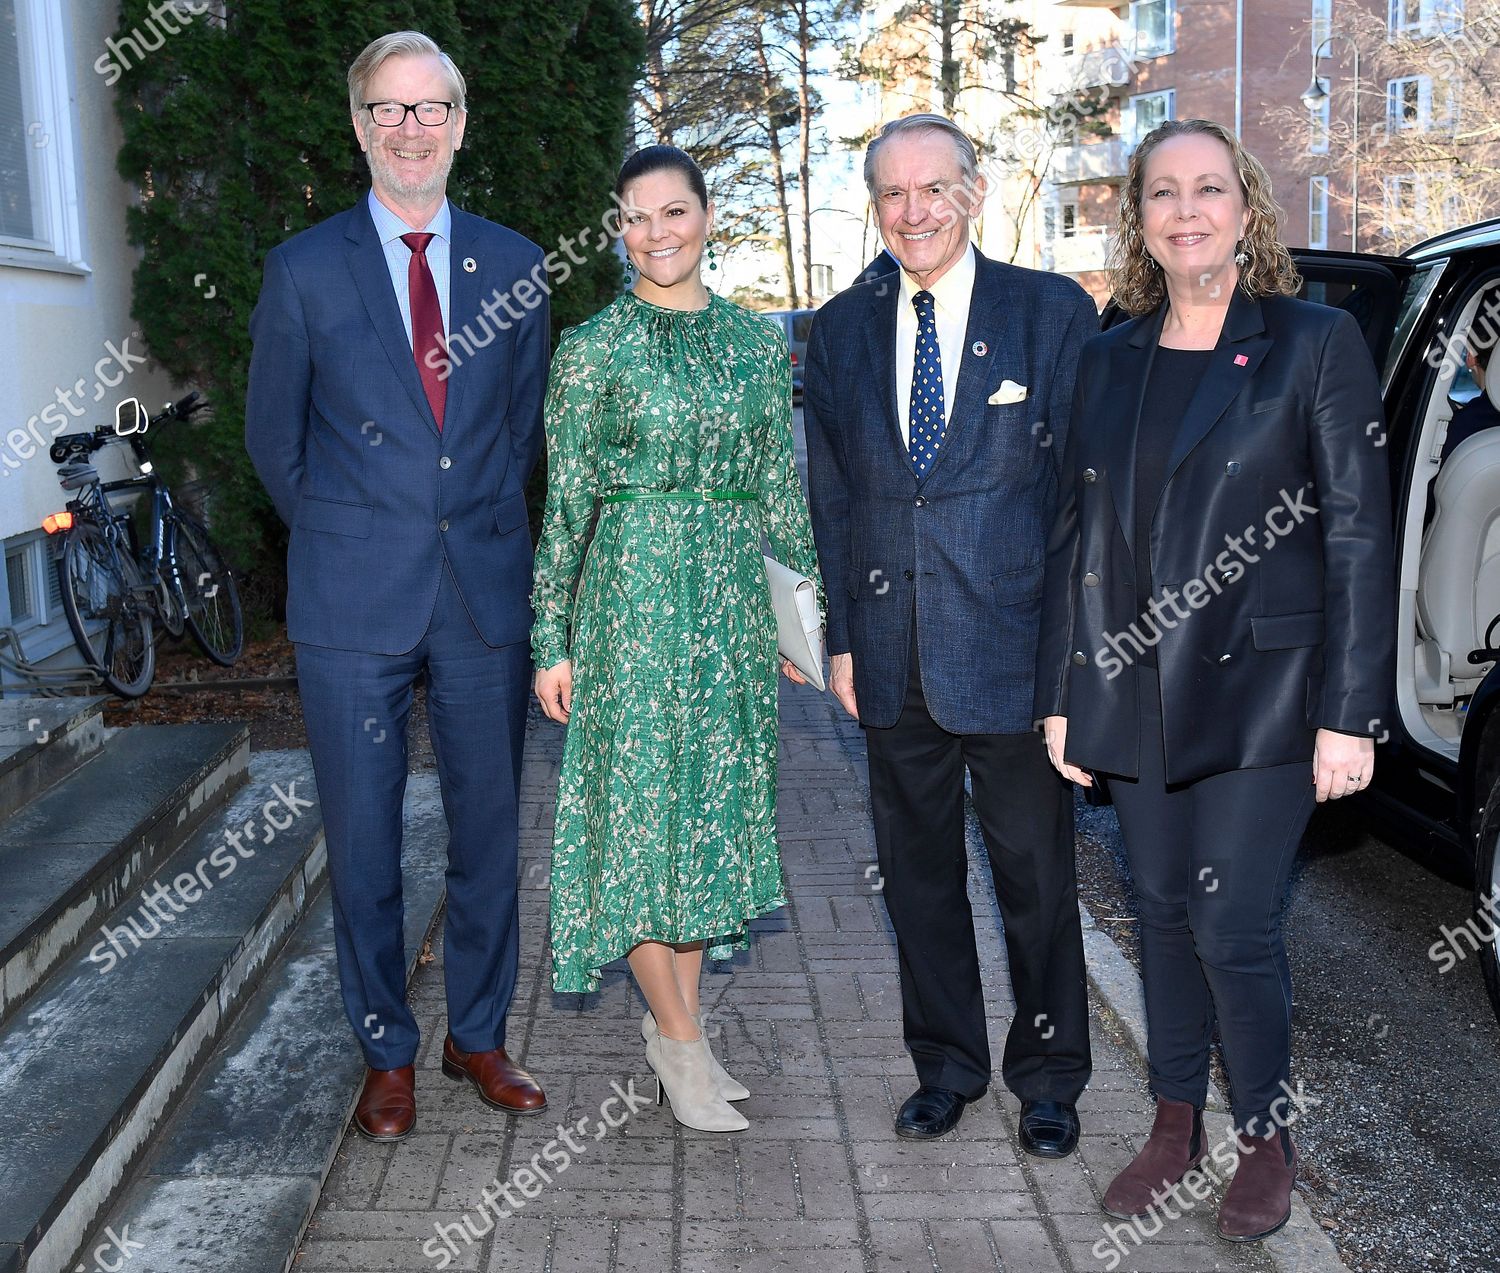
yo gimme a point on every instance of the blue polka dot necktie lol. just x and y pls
(925, 422)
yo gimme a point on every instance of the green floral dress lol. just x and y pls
(666, 807)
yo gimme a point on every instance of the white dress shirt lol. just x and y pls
(951, 295)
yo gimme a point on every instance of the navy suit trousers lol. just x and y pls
(356, 707)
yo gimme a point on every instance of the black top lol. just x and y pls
(1170, 387)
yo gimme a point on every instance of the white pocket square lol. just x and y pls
(1009, 391)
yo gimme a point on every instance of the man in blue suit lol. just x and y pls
(936, 404)
(398, 454)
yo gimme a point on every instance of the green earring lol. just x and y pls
(713, 260)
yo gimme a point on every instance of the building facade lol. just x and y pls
(69, 349)
(1110, 72)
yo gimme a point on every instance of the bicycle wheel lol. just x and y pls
(109, 620)
(210, 599)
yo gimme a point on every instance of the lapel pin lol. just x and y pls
(470, 265)
(980, 349)
(1241, 360)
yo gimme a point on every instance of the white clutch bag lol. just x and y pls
(799, 626)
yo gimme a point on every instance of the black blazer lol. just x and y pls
(1271, 547)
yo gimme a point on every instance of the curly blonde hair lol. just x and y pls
(1135, 276)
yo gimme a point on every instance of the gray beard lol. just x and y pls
(421, 192)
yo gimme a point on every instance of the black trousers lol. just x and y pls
(1026, 814)
(1211, 861)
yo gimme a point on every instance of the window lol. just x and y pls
(1153, 24)
(1402, 203)
(1317, 212)
(1060, 221)
(1145, 112)
(1322, 23)
(1318, 126)
(1413, 18)
(23, 583)
(1066, 43)
(1408, 103)
(39, 200)
(17, 168)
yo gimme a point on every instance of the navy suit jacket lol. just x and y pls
(339, 428)
(966, 542)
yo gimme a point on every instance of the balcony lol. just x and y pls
(1098, 161)
(1087, 248)
(1110, 66)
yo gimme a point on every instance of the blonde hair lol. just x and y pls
(399, 44)
(1136, 278)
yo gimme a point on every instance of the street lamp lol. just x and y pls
(1315, 97)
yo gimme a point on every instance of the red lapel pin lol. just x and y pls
(1241, 360)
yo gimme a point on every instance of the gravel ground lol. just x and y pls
(1401, 1162)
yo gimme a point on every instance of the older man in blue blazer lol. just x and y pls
(398, 452)
(936, 402)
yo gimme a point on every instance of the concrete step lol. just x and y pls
(91, 1066)
(71, 855)
(233, 1179)
(42, 740)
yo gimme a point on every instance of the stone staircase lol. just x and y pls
(174, 1057)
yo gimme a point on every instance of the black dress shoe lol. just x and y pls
(930, 1112)
(1049, 1129)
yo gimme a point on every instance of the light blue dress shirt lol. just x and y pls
(390, 228)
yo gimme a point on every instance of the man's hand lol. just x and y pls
(789, 670)
(1055, 731)
(554, 690)
(841, 681)
(1342, 764)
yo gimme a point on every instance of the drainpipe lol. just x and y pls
(1239, 66)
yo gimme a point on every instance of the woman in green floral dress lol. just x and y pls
(669, 411)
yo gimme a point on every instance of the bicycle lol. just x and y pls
(116, 589)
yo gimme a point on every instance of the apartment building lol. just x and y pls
(1248, 64)
(1251, 66)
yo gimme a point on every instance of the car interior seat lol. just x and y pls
(1458, 588)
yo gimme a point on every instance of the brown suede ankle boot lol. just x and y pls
(1174, 1148)
(1259, 1198)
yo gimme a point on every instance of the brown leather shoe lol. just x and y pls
(501, 1082)
(387, 1106)
(1173, 1149)
(1259, 1198)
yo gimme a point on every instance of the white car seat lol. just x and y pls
(1458, 589)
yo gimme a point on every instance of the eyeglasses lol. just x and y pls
(393, 114)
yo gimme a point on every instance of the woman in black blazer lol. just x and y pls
(1218, 627)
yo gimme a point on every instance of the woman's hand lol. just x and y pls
(1342, 764)
(841, 681)
(1055, 731)
(554, 690)
(789, 670)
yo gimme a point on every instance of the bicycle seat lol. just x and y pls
(74, 477)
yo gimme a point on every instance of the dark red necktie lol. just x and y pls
(426, 324)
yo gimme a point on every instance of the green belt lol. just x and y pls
(619, 497)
